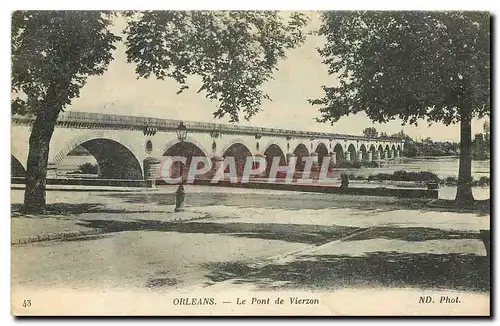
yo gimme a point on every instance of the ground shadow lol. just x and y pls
(72, 209)
(292, 201)
(299, 233)
(482, 207)
(83, 238)
(157, 199)
(379, 269)
(414, 234)
(61, 208)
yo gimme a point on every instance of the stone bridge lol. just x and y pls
(121, 144)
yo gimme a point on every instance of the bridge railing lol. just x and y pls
(126, 121)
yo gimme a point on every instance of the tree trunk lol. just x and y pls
(38, 155)
(464, 196)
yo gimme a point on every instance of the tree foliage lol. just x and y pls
(233, 52)
(430, 148)
(53, 53)
(481, 145)
(486, 127)
(412, 65)
(370, 132)
(402, 136)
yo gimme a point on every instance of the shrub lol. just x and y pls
(87, 168)
(352, 176)
(370, 164)
(347, 165)
(380, 177)
(415, 176)
(484, 181)
(424, 176)
(449, 181)
(421, 176)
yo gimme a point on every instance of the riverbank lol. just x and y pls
(329, 186)
(444, 191)
(419, 177)
(443, 167)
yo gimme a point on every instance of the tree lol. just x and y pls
(411, 65)
(481, 143)
(370, 132)
(53, 53)
(410, 149)
(233, 52)
(402, 136)
(486, 128)
(427, 140)
(479, 147)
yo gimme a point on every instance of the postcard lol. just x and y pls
(250, 163)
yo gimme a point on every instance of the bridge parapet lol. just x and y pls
(87, 120)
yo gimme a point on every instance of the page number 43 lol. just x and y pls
(26, 303)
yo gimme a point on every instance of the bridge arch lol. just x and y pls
(321, 145)
(115, 160)
(381, 151)
(274, 150)
(339, 152)
(300, 151)
(364, 152)
(387, 152)
(185, 149)
(352, 152)
(189, 139)
(372, 150)
(322, 151)
(240, 152)
(234, 141)
(16, 168)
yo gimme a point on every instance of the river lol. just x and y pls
(442, 166)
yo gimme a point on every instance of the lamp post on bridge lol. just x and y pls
(180, 194)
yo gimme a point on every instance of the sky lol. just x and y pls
(299, 78)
